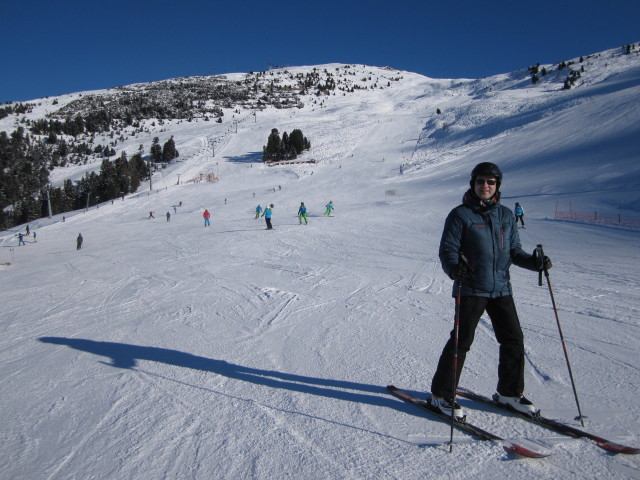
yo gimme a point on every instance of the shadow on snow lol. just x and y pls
(126, 356)
(251, 157)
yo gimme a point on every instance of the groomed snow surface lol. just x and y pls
(170, 350)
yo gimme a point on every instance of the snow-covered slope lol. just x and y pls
(170, 350)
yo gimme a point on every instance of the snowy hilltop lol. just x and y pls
(166, 349)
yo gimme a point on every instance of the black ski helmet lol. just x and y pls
(486, 169)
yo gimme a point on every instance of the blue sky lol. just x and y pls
(51, 48)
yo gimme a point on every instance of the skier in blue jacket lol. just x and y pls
(302, 213)
(519, 212)
(267, 216)
(479, 243)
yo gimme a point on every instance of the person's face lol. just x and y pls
(482, 187)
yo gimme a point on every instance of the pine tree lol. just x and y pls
(169, 151)
(123, 174)
(286, 147)
(273, 151)
(156, 150)
(297, 141)
(138, 170)
(107, 181)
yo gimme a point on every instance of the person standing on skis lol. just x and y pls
(267, 216)
(519, 212)
(302, 213)
(479, 243)
(207, 217)
(329, 209)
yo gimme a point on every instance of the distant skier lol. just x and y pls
(34, 237)
(329, 209)
(519, 211)
(21, 239)
(27, 230)
(79, 242)
(207, 218)
(302, 213)
(150, 215)
(168, 217)
(258, 211)
(267, 216)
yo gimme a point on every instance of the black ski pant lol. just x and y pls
(268, 221)
(506, 326)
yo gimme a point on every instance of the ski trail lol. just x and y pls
(77, 448)
(48, 313)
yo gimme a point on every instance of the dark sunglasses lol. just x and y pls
(481, 181)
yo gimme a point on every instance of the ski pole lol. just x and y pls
(454, 381)
(456, 328)
(564, 346)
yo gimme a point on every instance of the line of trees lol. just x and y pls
(115, 179)
(164, 154)
(23, 173)
(286, 148)
(25, 163)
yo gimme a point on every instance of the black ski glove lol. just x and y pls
(541, 264)
(460, 271)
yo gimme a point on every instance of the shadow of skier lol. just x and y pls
(126, 356)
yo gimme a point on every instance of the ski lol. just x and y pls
(555, 425)
(462, 424)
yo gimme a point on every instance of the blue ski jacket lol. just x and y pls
(488, 237)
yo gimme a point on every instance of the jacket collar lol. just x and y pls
(471, 200)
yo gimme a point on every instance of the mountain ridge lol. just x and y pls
(457, 115)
